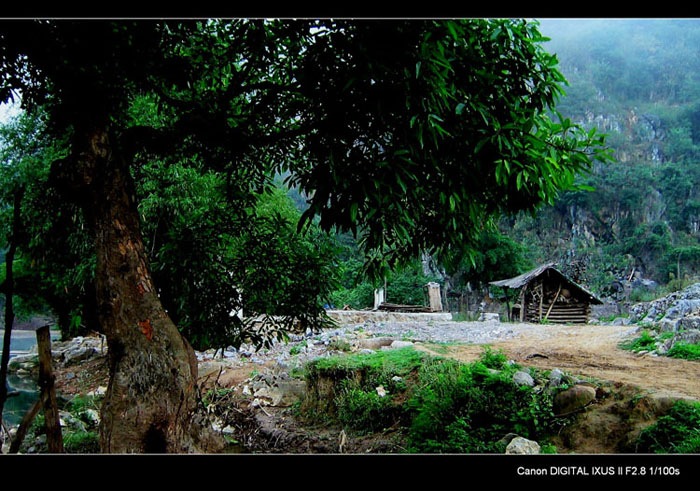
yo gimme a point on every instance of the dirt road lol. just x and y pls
(591, 351)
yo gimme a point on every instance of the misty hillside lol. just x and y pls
(639, 82)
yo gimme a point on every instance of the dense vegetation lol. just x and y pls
(676, 432)
(637, 81)
(415, 137)
(441, 405)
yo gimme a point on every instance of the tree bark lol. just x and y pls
(152, 404)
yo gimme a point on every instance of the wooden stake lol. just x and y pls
(553, 302)
(54, 439)
(24, 426)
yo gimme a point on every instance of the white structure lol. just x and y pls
(379, 297)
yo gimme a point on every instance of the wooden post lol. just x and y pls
(553, 302)
(24, 426)
(523, 305)
(505, 289)
(54, 439)
(434, 297)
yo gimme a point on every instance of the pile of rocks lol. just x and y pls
(672, 313)
(63, 354)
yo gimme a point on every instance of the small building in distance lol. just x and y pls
(547, 294)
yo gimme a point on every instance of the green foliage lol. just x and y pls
(404, 286)
(365, 411)
(495, 360)
(432, 199)
(416, 146)
(469, 409)
(676, 432)
(81, 442)
(645, 342)
(444, 405)
(495, 257)
(686, 351)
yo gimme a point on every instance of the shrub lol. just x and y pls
(365, 411)
(468, 409)
(676, 432)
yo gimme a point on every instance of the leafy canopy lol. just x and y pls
(413, 135)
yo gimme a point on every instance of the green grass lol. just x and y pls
(685, 351)
(676, 432)
(440, 404)
(81, 442)
(645, 342)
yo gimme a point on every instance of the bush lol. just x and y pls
(446, 406)
(677, 432)
(468, 408)
(365, 411)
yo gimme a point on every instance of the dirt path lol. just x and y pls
(591, 351)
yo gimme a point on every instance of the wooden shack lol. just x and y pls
(547, 294)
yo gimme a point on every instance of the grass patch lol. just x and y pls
(468, 408)
(81, 442)
(676, 432)
(440, 404)
(645, 342)
(685, 351)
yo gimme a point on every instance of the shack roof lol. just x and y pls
(525, 278)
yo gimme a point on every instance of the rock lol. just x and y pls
(507, 439)
(489, 316)
(523, 378)
(400, 344)
(92, 416)
(690, 322)
(366, 351)
(375, 343)
(555, 377)
(100, 391)
(522, 446)
(67, 420)
(381, 392)
(78, 353)
(20, 361)
(573, 399)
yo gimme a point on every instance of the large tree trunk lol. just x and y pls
(152, 402)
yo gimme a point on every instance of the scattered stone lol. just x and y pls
(523, 378)
(400, 344)
(381, 392)
(489, 316)
(507, 439)
(556, 377)
(522, 446)
(99, 392)
(375, 343)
